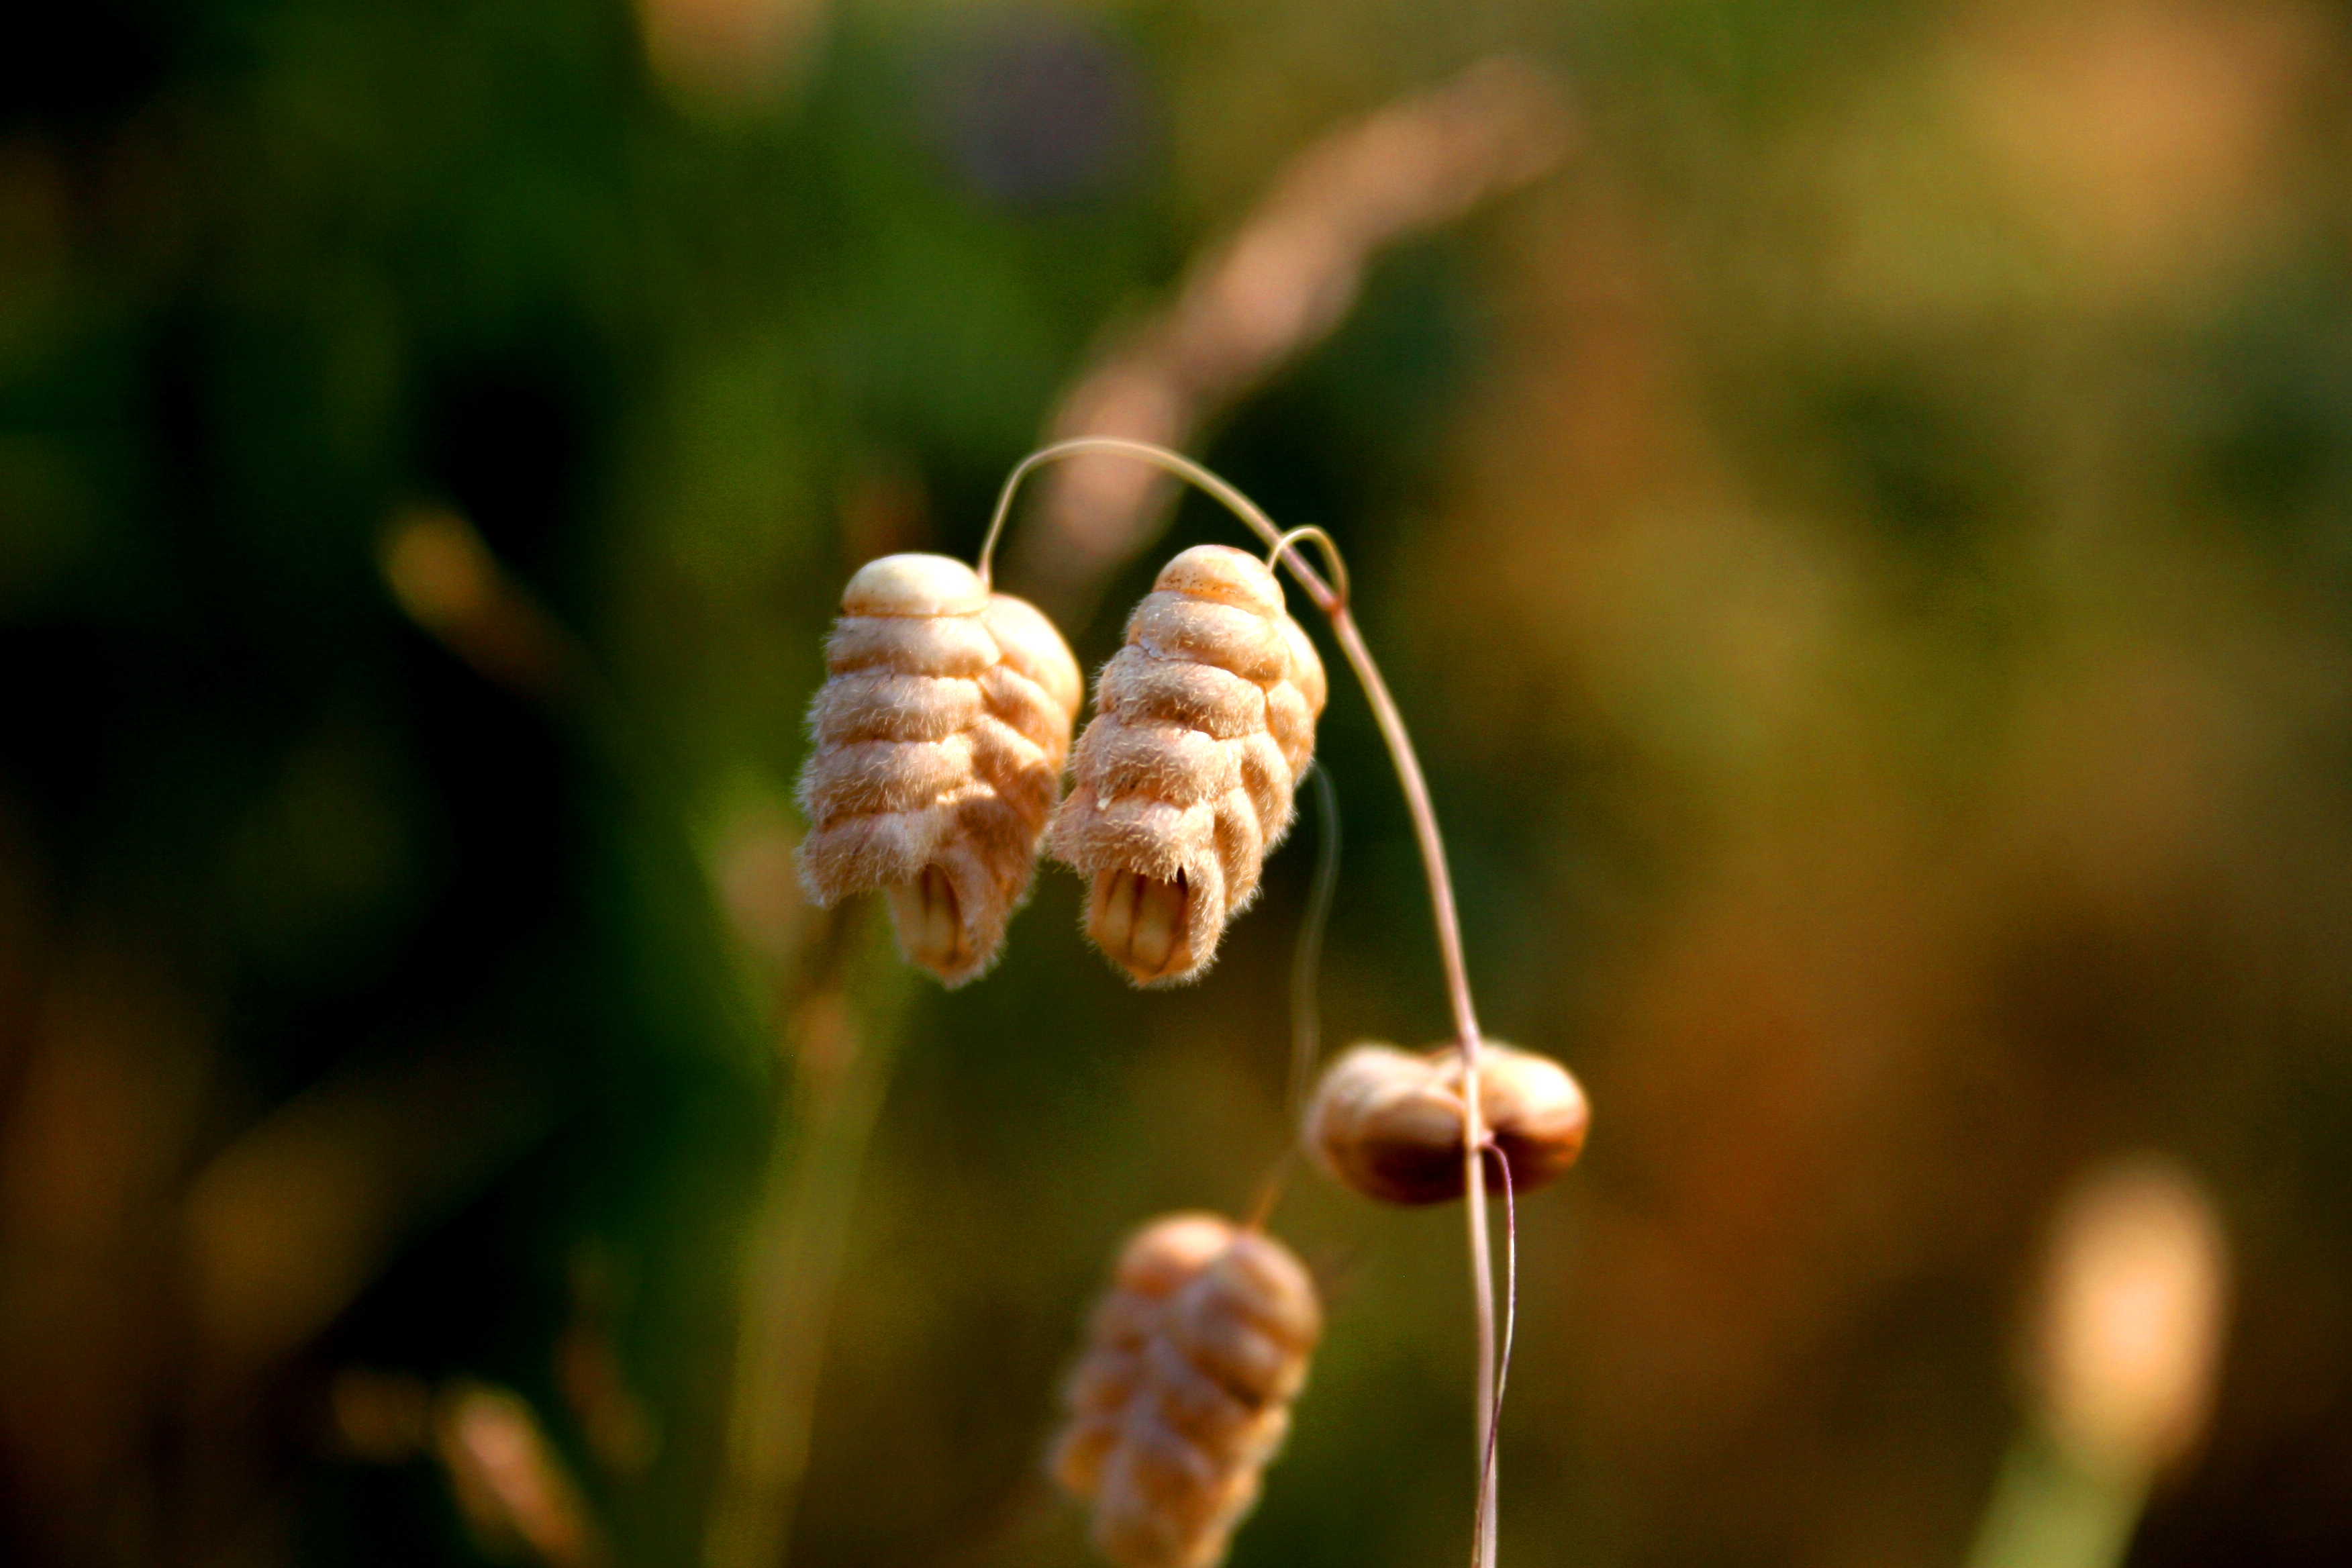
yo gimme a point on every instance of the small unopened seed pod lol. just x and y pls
(1183, 1395)
(1185, 778)
(1390, 1125)
(941, 733)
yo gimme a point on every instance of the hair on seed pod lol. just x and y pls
(1390, 1125)
(1183, 1395)
(1185, 778)
(940, 733)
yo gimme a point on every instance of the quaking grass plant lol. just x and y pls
(940, 734)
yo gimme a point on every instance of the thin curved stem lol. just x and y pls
(1176, 463)
(1424, 826)
(1486, 1513)
(1332, 559)
(1307, 959)
(1466, 1025)
(1333, 602)
(1487, 1516)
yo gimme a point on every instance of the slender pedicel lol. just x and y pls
(1511, 1332)
(1307, 959)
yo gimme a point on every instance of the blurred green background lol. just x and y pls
(1859, 516)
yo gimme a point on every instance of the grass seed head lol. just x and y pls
(1185, 777)
(1390, 1125)
(2126, 1346)
(1183, 1395)
(941, 733)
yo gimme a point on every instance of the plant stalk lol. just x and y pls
(1465, 1024)
(842, 1059)
(1333, 603)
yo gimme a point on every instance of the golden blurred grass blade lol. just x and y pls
(102, 1076)
(510, 1485)
(2123, 1351)
(290, 1223)
(1274, 287)
(445, 578)
(731, 58)
(842, 1059)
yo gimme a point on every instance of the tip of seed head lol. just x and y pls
(1225, 574)
(1171, 1250)
(914, 584)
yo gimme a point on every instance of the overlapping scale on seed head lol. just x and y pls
(1185, 778)
(941, 733)
(1182, 1397)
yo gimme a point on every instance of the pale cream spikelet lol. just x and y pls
(1390, 1125)
(941, 733)
(2134, 1306)
(1183, 1395)
(1185, 778)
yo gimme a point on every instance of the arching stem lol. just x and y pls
(1466, 1025)
(1332, 601)
(1307, 959)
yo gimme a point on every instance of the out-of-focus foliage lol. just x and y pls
(1867, 550)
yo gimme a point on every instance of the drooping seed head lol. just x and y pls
(1184, 1395)
(940, 733)
(1391, 1124)
(1185, 777)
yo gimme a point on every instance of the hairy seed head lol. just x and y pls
(1390, 1125)
(1185, 777)
(1184, 1395)
(940, 733)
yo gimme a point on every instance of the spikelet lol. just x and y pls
(1185, 778)
(1191, 1362)
(940, 733)
(2135, 1307)
(1389, 1123)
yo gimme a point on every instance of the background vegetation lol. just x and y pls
(1865, 541)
